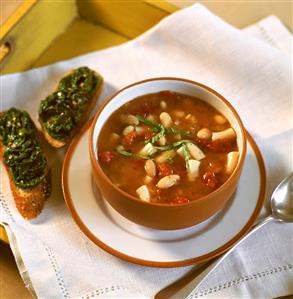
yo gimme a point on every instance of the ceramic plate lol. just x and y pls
(159, 248)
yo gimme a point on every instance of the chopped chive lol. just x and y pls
(186, 154)
(158, 136)
(177, 131)
(124, 152)
(147, 121)
(172, 145)
(162, 131)
(132, 155)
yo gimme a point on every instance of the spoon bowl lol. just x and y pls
(282, 200)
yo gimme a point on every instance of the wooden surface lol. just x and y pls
(88, 36)
(11, 285)
(7, 9)
(238, 13)
(127, 18)
(35, 31)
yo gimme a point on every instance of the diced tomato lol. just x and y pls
(143, 109)
(215, 167)
(222, 146)
(218, 146)
(148, 135)
(129, 139)
(164, 169)
(106, 156)
(179, 169)
(179, 200)
(159, 191)
(210, 179)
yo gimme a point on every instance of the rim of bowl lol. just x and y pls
(100, 171)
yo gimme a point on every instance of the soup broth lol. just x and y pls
(167, 148)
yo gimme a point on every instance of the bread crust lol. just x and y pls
(58, 143)
(30, 203)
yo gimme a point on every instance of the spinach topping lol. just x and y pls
(61, 111)
(23, 154)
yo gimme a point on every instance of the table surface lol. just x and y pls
(238, 13)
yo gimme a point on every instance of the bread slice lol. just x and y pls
(30, 201)
(91, 104)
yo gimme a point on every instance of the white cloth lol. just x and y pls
(255, 75)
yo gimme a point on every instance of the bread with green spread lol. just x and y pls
(25, 162)
(63, 112)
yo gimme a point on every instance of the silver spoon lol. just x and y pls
(281, 210)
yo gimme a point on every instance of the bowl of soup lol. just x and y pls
(167, 153)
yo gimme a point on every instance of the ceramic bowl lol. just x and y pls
(163, 216)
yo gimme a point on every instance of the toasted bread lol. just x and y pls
(57, 143)
(29, 201)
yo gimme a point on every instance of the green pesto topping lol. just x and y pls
(61, 111)
(23, 154)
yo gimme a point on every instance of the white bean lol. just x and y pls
(180, 152)
(165, 156)
(195, 152)
(128, 130)
(204, 133)
(168, 181)
(120, 147)
(179, 113)
(151, 117)
(166, 119)
(232, 159)
(143, 193)
(162, 141)
(192, 169)
(191, 118)
(139, 130)
(163, 104)
(226, 134)
(129, 119)
(219, 119)
(147, 150)
(150, 168)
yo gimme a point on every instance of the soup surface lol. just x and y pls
(167, 148)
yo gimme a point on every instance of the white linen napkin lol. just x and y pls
(252, 68)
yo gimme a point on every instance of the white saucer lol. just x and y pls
(159, 248)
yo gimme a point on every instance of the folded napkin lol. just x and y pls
(252, 68)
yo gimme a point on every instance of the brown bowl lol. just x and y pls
(163, 216)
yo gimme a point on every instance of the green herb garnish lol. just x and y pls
(124, 152)
(148, 122)
(129, 154)
(177, 131)
(172, 145)
(186, 154)
(162, 131)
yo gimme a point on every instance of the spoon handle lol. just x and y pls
(214, 264)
